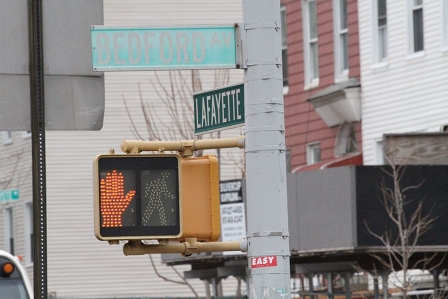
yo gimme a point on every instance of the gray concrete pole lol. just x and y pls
(267, 217)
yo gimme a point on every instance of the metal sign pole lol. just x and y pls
(267, 216)
(38, 147)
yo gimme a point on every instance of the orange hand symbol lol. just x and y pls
(112, 198)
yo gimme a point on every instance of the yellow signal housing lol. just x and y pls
(200, 199)
(156, 197)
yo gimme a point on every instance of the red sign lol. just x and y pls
(264, 261)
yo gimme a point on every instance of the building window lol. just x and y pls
(9, 230)
(312, 153)
(416, 26)
(6, 137)
(380, 8)
(340, 39)
(310, 43)
(378, 154)
(284, 45)
(29, 233)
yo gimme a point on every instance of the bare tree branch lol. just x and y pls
(183, 282)
(176, 98)
(402, 244)
(134, 129)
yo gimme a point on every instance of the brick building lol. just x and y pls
(322, 92)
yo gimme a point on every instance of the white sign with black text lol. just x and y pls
(233, 216)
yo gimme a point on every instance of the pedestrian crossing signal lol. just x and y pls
(161, 196)
(137, 196)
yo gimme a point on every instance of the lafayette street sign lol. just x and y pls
(218, 109)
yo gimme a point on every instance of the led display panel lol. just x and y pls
(137, 197)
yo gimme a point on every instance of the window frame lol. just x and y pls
(380, 46)
(378, 151)
(8, 213)
(29, 258)
(284, 40)
(340, 72)
(411, 29)
(311, 80)
(310, 153)
(6, 137)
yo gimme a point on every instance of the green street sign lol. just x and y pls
(218, 109)
(6, 195)
(163, 48)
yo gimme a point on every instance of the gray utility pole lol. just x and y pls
(267, 216)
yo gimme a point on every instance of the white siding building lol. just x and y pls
(80, 266)
(404, 63)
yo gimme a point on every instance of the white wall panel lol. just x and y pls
(405, 95)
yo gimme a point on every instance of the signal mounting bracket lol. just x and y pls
(187, 248)
(184, 147)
